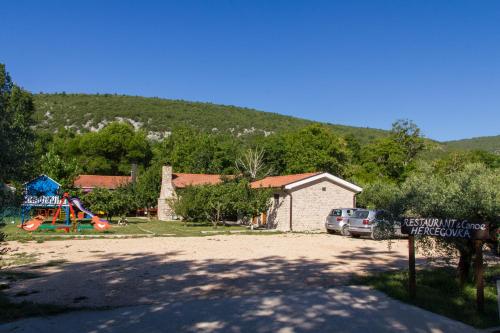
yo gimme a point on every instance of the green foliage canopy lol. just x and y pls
(116, 202)
(228, 200)
(16, 136)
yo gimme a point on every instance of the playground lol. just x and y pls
(48, 213)
(45, 208)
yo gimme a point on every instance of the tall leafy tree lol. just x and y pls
(315, 148)
(148, 186)
(111, 151)
(194, 151)
(16, 136)
(393, 157)
(59, 169)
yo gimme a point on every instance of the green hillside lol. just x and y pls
(488, 143)
(89, 112)
(85, 112)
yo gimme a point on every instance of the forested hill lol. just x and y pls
(489, 143)
(157, 116)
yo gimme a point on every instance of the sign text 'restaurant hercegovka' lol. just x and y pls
(444, 228)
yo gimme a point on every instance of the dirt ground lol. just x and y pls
(118, 272)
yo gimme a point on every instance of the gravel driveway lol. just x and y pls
(124, 272)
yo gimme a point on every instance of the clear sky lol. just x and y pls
(363, 63)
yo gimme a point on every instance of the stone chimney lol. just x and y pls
(167, 192)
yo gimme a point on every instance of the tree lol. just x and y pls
(471, 193)
(457, 160)
(16, 136)
(251, 164)
(229, 199)
(113, 149)
(392, 157)
(191, 150)
(148, 187)
(58, 169)
(315, 148)
(407, 134)
(116, 202)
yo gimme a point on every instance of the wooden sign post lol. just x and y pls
(478, 272)
(412, 279)
(446, 228)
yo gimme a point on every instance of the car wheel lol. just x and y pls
(377, 234)
(345, 231)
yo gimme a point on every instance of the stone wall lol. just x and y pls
(311, 204)
(278, 213)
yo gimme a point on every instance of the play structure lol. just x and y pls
(44, 209)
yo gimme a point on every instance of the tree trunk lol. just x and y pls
(464, 265)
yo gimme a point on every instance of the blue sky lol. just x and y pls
(363, 63)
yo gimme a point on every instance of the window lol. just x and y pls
(336, 212)
(361, 214)
(323, 189)
(276, 199)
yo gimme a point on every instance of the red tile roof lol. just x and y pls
(181, 180)
(109, 182)
(279, 181)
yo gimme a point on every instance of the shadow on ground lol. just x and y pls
(270, 294)
(144, 278)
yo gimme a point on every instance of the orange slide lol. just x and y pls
(99, 225)
(33, 224)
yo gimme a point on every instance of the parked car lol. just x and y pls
(338, 220)
(377, 224)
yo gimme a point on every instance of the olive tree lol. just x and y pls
(216, 203)
(116, 202)
(471, 193)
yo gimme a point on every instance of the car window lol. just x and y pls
(350, 212)
(361, 214)
(336, 212)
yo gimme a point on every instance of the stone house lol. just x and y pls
(301, 202)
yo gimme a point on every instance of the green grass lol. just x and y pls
(438, 291)
(136, 227)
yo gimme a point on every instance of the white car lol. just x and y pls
(338, 220)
